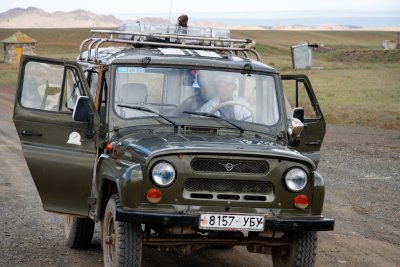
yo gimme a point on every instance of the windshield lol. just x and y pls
(176, 93)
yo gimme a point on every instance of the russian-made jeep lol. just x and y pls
(174, 141)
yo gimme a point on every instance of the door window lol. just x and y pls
(42, 86)
(296, 95)
(50, 87)
(73, 89)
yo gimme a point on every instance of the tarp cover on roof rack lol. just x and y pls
(173, 29)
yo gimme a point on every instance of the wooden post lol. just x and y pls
(18, 54)
(398, 40)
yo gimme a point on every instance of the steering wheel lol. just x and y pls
(234, 103)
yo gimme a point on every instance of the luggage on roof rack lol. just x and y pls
(174, 29)
(140, 34)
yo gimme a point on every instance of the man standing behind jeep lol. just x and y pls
(228, 105)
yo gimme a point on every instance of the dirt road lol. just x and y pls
(362, 171)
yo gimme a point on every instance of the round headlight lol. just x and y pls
(296, 179)
(163, 174)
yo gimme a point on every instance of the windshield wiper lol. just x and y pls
(151, 111)
(210, 115)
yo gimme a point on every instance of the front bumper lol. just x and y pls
(183, 219)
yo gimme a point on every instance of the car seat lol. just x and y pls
(132, 94)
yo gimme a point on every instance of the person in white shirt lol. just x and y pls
(226, 104)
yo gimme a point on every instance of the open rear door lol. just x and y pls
(299, 93)
(59, 153)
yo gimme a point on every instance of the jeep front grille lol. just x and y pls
(219, 189)
(230, 165)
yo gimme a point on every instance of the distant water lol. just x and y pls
(349, 21)
(376, 21)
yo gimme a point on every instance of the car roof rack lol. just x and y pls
(157, 40)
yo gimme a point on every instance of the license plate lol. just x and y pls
(231, 222)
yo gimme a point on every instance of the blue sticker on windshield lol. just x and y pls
(122, 70)
(136, 70)
(130, 70)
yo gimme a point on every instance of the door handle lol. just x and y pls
(30, 133)
(314, 143)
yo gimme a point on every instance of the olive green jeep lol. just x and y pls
(174, 141)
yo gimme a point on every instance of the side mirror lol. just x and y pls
(82, 112)
(295, 129)
(298, 113)
(81, 109)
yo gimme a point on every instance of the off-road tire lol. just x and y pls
(78, 231)
(302, 251)
(122, 241)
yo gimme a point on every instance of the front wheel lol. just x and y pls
(301, 252)
(78, 231)
(122, 241)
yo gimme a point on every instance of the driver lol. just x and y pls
(226, 104)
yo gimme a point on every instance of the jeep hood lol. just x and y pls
(149, 146)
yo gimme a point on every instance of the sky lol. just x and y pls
(224, 10)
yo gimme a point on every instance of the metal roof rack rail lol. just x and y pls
(100, 37)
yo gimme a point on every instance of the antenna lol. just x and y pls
(170, 11)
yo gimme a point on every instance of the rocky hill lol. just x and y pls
(32, 17)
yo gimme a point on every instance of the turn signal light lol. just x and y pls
(109, 147)
(154, 195)
(301, 201)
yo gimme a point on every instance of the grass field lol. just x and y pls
(358, 83)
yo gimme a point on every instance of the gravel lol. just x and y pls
(362, 174)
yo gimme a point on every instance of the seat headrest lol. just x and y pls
(133, 93)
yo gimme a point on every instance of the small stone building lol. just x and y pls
(16, 45)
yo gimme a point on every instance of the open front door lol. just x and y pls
(299, 93)
(58, 150)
